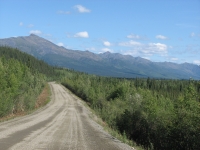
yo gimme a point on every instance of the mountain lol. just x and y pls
(105, 64)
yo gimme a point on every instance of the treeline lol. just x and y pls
(157, 114)
(31, 62)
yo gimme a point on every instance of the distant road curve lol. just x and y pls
(64, 124)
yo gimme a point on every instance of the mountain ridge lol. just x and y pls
(104, 64)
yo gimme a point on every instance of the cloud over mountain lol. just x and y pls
(60, 44)
(196, 62)
(83, 34)
(37, 32)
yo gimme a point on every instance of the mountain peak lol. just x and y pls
(35, 36)
(107, 52)
(32, 34)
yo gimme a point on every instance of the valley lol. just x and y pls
(135, 109)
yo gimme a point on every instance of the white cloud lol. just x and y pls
(21, 24)
(196, 62)
(161, 37)
(155, 48)
(158, 47)
(106, 43)
(64, 12)
(133, 36)
(60, 44)
(146, 58)
(81, 9)
(145, 50)
(130, 43)
(132, 52)
(30, 25)
(83, 34)
(136, 37)
(35, 32)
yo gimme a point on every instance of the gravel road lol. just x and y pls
(63, 124)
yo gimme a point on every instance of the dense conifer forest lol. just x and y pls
(155, 113)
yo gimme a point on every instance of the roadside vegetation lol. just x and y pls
(22, 79)
(156, 114)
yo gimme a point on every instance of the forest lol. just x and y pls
(155, 113)
(22, 78)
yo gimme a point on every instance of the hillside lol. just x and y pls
(105, 64)
(34, 64)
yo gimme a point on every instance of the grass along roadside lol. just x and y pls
(41, 101)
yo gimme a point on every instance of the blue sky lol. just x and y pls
(158, 30)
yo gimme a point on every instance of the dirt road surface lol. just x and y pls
(63, 124)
